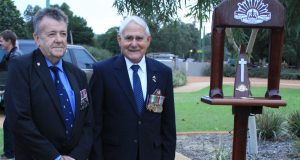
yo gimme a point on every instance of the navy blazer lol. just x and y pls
(35, 114)
(120, 133)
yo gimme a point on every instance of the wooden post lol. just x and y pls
(245, 14)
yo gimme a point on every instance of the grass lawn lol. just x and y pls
(193, 115)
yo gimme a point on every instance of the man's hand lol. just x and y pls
(65, 157)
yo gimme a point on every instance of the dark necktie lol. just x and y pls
(64, 102)
(137, 89)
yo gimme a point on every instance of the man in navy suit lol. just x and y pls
(133, 106)
(49, 111)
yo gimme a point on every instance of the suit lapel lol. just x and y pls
(41, 67)
(152, 77)
(122, 77)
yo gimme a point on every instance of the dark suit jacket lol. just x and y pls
(36, 116)
(120, 133)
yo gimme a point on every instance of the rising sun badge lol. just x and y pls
(252, 12)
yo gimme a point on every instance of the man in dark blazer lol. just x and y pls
(123, 130)
(41, 127)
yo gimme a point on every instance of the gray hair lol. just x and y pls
(137, 20)
(54, 13)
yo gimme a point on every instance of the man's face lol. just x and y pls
(134, 42)
(52, 39)
(5, 44)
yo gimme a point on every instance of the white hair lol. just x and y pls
(137, 20)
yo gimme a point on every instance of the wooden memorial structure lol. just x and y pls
(245, 14)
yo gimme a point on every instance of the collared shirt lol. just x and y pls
(142, 72)
(64, 79)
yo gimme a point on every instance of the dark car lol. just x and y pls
(75, 54)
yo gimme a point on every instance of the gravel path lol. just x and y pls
(206, 147)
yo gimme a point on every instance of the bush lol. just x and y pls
(270, 125)
(294, 123)
(221, 153)
(258, 72)
(99, 54)
(290, 74)
(229, 71)
(179, 78)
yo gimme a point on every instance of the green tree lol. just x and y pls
(108, 40)
(176, 37)
(81, 33)
(28, 15)
(165, 11)
(10, 18)
(291, 52)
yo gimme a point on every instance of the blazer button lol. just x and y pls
(135, 141)
(139, 122)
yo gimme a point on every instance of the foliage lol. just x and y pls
(292, 32)
(155, 10)
(179, 78)
(258, 72)
(221, 153)
(228, 71)
(28, 14)
(176, 37)
(109, 41)
(290, 74)
(294, 123)
(81, 33)
(270, 125)
(10, 18)
(297, 145)
(99, 54)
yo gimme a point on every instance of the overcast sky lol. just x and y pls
(99, 14)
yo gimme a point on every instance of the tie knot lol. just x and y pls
(54, 69)
(135, 68)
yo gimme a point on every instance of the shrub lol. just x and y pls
(270, 125)
(221, 153)
(179, 78)
(259, 72)
(290, 74)
(228, 70)
(99, 54)
(294, 123)
(297, 146)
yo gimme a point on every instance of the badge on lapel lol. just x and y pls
(155, 102)
(84, 101)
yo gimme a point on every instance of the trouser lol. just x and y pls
(8, 147)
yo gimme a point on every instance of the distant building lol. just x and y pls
(162, 56)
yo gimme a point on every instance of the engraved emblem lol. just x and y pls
(252, 12)
(242, 88)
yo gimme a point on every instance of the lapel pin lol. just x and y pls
(154, 78)
(38, 63)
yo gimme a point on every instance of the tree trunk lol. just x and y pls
(251, 42)
(233, 47)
